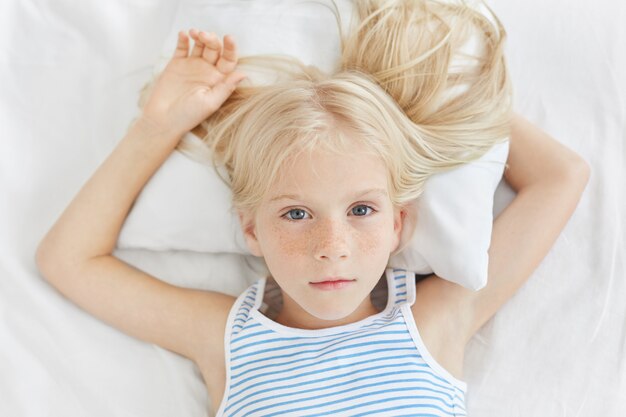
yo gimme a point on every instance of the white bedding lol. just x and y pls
(69, 80)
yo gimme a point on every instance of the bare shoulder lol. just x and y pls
(438, 316)
(212, 324)
(211, 357)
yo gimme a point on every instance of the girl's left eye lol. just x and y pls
(362, 209)
(363, 206)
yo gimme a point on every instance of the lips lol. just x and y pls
(333, 279)
(332, 284)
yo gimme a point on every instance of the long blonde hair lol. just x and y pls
(394, 88)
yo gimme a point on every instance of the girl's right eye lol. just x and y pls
(286, 215)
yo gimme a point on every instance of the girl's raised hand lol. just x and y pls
(193, 85)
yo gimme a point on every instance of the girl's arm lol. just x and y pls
(75, 255)
(549, 180)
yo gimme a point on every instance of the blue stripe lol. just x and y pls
(352, 407)
(307, 382)
(290, 355)
(334, 358)
(262, 341)
(376, 324)
(376, 384)
(459, 399)
(412, 414)
(321, 397)
(403, 364)
(393, 314)
(304, 366)
(323, 339)
(399, 407)
(244, 313)
(419, 414)
(247, 323)
(321, 342)
(445, 387)
(240, 320)
(312, 344)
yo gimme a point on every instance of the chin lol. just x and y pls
(332, 315)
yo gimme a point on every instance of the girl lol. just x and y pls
(321, 167)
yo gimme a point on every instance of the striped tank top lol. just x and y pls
(378, 366)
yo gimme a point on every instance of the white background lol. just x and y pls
(70, 73)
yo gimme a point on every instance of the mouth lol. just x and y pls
(332, 284)
(333, 279)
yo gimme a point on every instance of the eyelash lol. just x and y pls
(297, 220)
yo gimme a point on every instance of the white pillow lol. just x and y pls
(185, 206)
(454, 222)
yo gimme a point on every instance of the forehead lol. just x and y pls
(331, 174)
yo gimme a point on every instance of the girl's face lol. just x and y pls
(329, 216)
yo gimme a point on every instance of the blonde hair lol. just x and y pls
(393, 89)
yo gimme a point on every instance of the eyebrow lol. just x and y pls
(378, 191)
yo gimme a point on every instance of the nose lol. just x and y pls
(331, 241)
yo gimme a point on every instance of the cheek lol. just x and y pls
(287, 240)
(374, 239)
(371, 243)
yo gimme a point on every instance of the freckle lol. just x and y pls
(289, 244)
(370, 243)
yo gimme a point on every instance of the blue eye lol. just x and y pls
(362, 210)
(365, 208)
(292, 211)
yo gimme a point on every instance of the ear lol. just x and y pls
(399, 214)
(248, 227)
(403, 227)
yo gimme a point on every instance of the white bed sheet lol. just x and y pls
(69, 78)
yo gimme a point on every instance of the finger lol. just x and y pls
(228, 85)
(212, 47)
(228, 59)
(198, 46)
(182, 47)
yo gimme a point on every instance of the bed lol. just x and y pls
(70, 79)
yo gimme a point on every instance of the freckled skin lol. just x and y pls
(287, 244)
(332, 233)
